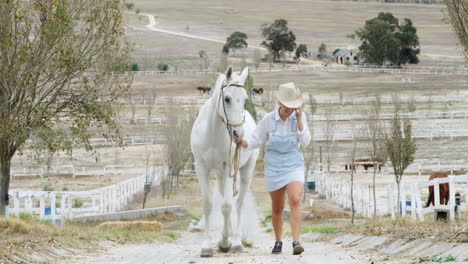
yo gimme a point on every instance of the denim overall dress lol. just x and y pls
(284, 162)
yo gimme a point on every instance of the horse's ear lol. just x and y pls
(244, 75)
(228, 73)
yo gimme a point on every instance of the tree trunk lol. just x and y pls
(398, 201)
(373, 190)
(5, 166)
(352, 193)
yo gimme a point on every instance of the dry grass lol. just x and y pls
(20, 237)
(407, 228)
(316, 23)
(24, 225)
(141, 226)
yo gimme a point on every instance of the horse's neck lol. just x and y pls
(215, 128)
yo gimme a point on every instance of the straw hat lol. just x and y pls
(289, 95)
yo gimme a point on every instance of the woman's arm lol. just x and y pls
(303, 129)
(258, 137)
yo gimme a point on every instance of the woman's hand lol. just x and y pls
(299, 113)
(300, 126)
(239, 141)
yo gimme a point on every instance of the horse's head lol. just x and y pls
(231, 99)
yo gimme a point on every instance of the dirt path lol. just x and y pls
(186, 250)
(152, 26)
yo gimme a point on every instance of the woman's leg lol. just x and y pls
(295, 190)
(277, 207)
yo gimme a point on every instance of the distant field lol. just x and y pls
(313, 22)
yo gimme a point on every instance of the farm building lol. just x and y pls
(344, 55)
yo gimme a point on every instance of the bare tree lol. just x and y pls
(401, 147)
(457, 15)
(149, 113)
(309, 149)
(396, 101)
(149, 174)
(176, 130)
(411, 106)
(204, 60)
(375, 138)
(356, 138)
(329, 133)
(56, 63)
(257, 59)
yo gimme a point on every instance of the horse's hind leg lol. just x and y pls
(245, 180)
(203, 180)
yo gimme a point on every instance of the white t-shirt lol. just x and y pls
(262, 133)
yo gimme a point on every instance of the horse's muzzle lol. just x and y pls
(237, 132)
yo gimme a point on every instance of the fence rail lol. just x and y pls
(65, 205)
(456, 184)
(338, 190)
(74, 171)
(315, 68)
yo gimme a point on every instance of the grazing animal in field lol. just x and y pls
(222, 117)
(258, 90)
(444, 190)
(366, 163)
(204, 89)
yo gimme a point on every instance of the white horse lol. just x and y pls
(221, 117)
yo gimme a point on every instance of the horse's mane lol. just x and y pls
(217, 86)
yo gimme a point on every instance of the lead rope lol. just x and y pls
(235, 162)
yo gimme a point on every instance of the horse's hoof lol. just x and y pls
(206, 253)
(224, 249)
(237, 249)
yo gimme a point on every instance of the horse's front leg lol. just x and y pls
(245, 180)
(203, 180)
(225, 188)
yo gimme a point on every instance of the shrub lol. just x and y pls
(77, 203)
(48, 189)
(163, 67)
(135, 67)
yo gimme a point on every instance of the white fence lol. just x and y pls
(338, 190)
(128, 141)
(390, 116)
(419, 133)
(456, 184)
(383, 100)
(75, 171)
(316, 68)
(419, 168)
(64, 205)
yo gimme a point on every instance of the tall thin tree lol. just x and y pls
(401, 147)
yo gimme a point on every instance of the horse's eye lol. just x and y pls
(227, 100)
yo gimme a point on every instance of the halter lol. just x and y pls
(233, 163)
(228, 124)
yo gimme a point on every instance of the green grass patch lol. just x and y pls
(246, 243)
(169, 234)
(266, 220)
(448, 258)
(320, 229)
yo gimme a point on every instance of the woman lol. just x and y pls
(283, 131)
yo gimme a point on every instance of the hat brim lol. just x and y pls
(291, 103)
